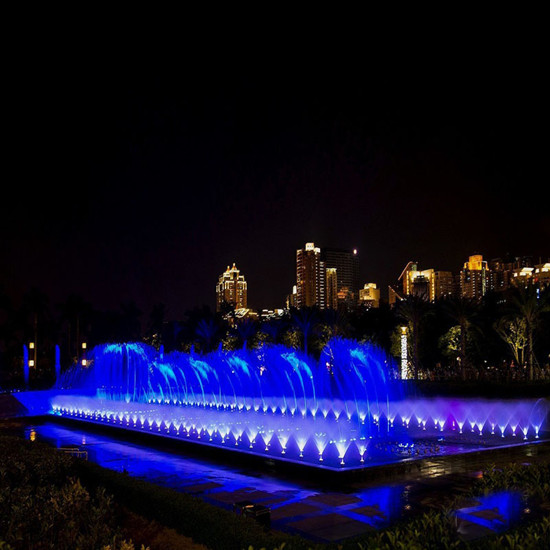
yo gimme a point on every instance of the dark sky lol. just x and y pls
(140, 174)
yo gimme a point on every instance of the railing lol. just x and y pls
(77, 452)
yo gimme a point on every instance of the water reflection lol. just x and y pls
(497, 512)
(291, 502)
(222, 485)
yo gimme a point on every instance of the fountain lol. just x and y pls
(343, 411)
(26, 366)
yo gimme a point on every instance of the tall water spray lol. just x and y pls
(57, 364)
(26, 365)
(343, 410)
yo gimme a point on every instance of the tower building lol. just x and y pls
(310, 277)
(231, 289)
(332, 288)
(346, 263)
(428, 283)
(369, 296)
(474, 278)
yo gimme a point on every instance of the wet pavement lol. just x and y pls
(301, 505)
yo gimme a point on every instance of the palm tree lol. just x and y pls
(305, 320)
(207, 333)
(272, 329)
(246, 329)
(530, 303)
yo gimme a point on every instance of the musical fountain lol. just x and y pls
(341, 412)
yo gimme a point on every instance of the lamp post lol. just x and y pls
(404, 355)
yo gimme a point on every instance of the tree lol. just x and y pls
(514, 332)
(246, 329)
(450, 342)
(530, 303)
(207, 332)
(305, 320)
(462, 311)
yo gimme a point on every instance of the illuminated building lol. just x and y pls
(513, 271)
(418, 283)
(394, 296)
(310, 277)
(405, 277)
(522, 276)
(428, 283)
(231, 289)
(346, 263)
(474, 278)
(292, 298)
(332, 288)
(443, 282)
(369, 296)
(541, 275)
(346, 299)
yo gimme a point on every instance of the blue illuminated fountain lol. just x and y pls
(343, 411)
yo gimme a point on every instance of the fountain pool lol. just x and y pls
(344, 411)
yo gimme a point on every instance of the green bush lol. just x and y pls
(531, 479)
(204, 523)
(42, 506)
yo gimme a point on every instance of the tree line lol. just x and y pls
(451, 338)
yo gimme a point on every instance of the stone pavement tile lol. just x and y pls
(471, 531)
(369, 511)
(286, 492)
(201, 487)
(228, 497)
(333, 499)
(489, 514)
(289, 511)
(272, 501)
(330, 527)
(259, 495)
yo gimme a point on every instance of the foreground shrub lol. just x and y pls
(203, 522)
(42, 506)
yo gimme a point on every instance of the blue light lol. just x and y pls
(280, 403)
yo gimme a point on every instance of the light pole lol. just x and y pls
(404, 355)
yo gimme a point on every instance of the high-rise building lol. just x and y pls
(332, 288)
(541, 276)
(443, 282)
(231, 289)
(310, 277)
(369, 296)
(406, 279)
(417, 283)
(428, 283)
(474, 278)
(292, 298)
(346, 263)
(508, 271)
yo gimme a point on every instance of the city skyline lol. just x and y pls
(315, 269)
(130, 180)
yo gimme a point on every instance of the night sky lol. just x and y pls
(140, 175)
